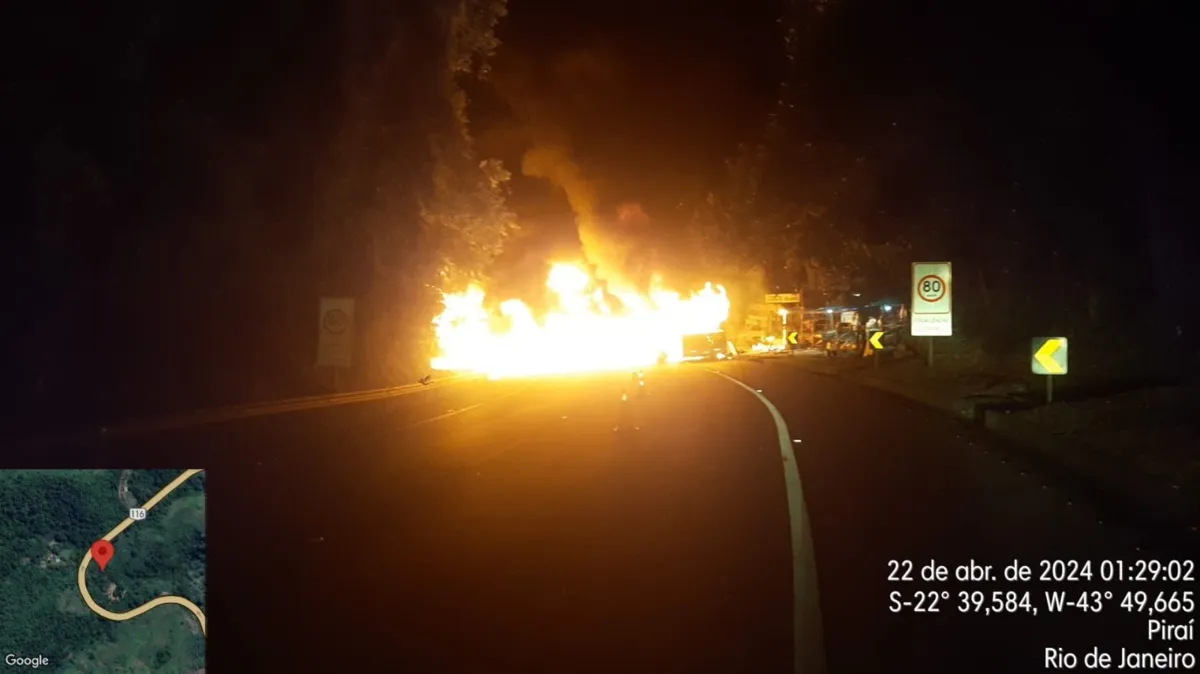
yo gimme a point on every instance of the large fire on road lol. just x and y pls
(589, 330)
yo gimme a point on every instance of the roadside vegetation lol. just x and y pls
(1053, 225)
(180, 223)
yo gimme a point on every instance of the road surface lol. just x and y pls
(165, 600)
(506, 527)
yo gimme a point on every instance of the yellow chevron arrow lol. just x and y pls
(1045, 356)
(792, 337)
(875, 336)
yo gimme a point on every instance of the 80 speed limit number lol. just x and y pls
(982, 602)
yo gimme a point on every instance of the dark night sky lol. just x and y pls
(651, 96)
(1032, 108)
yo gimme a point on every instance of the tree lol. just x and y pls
(465, 212)
(792, 202)
(404, 193)
(188, 202)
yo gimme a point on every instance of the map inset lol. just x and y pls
(102, 571)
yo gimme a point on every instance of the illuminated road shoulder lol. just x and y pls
(158, 601)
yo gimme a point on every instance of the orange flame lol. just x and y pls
(589, 330)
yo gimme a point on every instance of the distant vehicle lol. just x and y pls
(706, 346)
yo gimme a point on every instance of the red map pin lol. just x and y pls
(102, 552)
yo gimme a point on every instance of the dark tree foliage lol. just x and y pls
(195, 175)
(1025, 142)
(144, 484)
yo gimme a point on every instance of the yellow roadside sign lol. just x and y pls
(783, 298)
(791, 337)
(1049, 355)
(874, 341)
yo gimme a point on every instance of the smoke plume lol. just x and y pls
(554, 163)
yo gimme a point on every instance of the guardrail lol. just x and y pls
(228, 413)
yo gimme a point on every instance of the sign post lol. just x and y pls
(931, 307)
(1049, 357)
(335, 335)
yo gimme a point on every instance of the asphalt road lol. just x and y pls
(499, 527)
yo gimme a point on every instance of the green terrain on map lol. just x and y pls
(50, 520)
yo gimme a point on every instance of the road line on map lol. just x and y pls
(808, 640)
(157, 601)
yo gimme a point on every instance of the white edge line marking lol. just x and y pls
(808, 639)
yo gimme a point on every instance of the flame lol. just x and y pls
(767, 346)
(589, 330)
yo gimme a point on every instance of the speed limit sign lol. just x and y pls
(931, 288)
(931, 309)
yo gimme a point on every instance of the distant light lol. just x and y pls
(887, 307)
(783, 312)
(829, 311)
(857, 294)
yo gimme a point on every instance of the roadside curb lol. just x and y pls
(1146, 496)
(216, 415)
